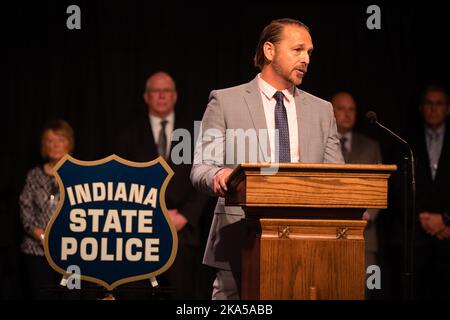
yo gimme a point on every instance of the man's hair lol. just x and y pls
(341, 92)
(433, 88)
(272, 33)
(59, 127)
(147, 87)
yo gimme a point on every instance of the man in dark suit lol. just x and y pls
(431, 146)
(148, 137)
(358, 148)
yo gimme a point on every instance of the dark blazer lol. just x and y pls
(432, 256)
(432, 196)
(136, 143)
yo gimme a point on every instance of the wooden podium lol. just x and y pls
(305, 233)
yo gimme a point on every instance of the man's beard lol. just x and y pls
(287, 76)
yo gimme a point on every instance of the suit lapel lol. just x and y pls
(444, 158)
(254, 103)
(422, 155)
(421, 163)
(303, 110)
(148, 141)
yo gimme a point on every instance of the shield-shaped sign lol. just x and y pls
(111, 221)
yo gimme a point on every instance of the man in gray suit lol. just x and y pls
(289, 124)
(357, 148)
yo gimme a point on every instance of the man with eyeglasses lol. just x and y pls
(431, 147)
(148, 137)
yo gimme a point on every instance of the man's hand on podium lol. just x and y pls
(220, 180)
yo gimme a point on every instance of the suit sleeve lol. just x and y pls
(210, 148)
(333, 152)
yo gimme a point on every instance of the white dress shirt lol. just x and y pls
(156, 128)
(269, 102)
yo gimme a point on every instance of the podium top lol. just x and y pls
(309, 185)
(319, 166)
(266, 168)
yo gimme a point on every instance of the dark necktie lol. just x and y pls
(282, 146)
(162, 140)
(344, 150)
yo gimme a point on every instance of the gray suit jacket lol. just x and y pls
(241, 107)
(364, 150)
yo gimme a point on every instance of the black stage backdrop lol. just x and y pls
(94, 77)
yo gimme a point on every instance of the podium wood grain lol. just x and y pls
(305, 236)
(313, 257)
(310, 185)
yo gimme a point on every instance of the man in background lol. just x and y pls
(431, 146)
(148, 137)
(358, 148)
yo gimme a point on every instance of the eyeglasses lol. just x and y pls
(438, 104)
(165, 91)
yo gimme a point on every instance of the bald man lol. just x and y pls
(148, 137)
(357, 148)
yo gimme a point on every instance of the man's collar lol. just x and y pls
(347, 135)
(437, 132)
(170, 118)
(268, 90)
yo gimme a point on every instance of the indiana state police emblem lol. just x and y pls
(111, 221)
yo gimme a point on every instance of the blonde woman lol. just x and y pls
(38, 201)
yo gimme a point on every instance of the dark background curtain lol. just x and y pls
(94, 77)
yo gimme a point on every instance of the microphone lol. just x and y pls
(409, 190)
(371, 116)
